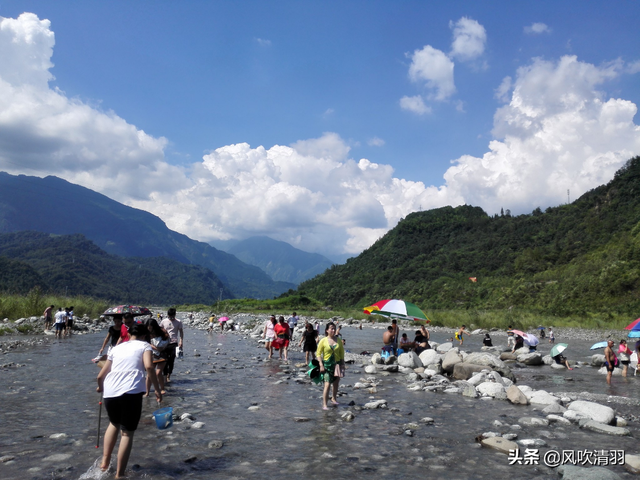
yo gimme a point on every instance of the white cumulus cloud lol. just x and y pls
(537, 28)
(469, 39)
(433, 68)
(557, 132)
(414, 104)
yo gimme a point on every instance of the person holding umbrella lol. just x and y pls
(556, 354)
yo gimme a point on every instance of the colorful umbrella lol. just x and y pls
(635, 325)
(518, 332)
(134, 310)
(223, 319)
(598, 345)
(396, 309)
(558, 349)
(532, 340)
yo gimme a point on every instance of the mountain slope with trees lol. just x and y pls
(571, 259)
(53, 205)
(72, 265)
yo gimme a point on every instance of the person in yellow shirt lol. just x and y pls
(330, 355)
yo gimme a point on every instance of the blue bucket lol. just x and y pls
(164, 417)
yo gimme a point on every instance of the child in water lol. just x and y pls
(460, 334)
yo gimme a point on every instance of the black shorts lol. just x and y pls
(125, 410)
(609, 366)
(60, 326)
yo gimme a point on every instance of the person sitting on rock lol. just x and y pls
(405, 344)
(421, 342)
(561, 360)
(486, 341)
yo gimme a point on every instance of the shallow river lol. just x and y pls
(54, 393)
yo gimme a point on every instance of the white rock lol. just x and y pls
(376, 404)
(491, 389)
(444, 347)
(409, 360)
(595, 411)
(370, 369)
(558, 419)
(573, 416)
(532, 442)
(540, 397)
(430, 357)
(477, 379)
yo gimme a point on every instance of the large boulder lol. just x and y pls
(376, 359)
(540, 397)
(533, 358)
(444, 347)
(409, 360)
(430, 357)
(486, 359)
(492, 389)
(451, 358)
(597, 360)
(508, 356)
(514, 395)
(464, 371)
(595, 411)
(606, 429)
(522, 351)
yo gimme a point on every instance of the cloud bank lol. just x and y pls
(556, 130)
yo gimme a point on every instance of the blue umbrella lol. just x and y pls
(598, 345)
(634, 334)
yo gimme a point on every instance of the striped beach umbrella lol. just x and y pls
(396, 309)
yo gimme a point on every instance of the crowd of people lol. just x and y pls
(62, 320)
(140, 355)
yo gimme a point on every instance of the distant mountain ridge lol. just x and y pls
(279, 259)
(53, 205)
(73, 265)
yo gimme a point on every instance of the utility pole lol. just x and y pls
(568, 197)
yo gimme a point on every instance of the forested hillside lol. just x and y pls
(72, 265)
(576, 258)
(53, 205)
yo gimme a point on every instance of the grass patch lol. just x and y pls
(34, 303)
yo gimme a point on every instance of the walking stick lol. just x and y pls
(99, 418)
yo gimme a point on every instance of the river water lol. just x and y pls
(53, 392)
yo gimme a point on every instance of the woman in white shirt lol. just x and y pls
(122, 379)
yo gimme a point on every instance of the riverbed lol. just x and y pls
(49, 411)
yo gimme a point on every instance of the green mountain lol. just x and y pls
(73, 265)
(572, 259)
(279, 259)
(53, 205)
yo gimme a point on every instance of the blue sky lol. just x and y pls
(360, 107)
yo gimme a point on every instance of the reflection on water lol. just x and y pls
(54, 393)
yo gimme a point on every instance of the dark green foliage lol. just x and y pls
(568, 260)
(72, 265)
